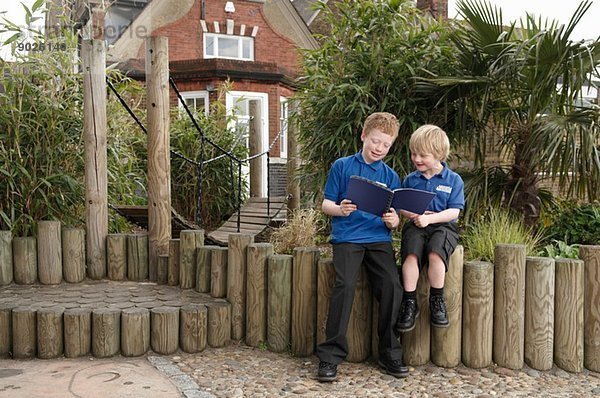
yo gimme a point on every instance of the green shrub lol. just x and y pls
(497, 226)
(300, 230)
(559, 249)
(576, 224)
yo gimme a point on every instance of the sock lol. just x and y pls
(410, 295)
(436, 292)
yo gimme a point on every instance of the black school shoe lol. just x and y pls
(409, 312)
(394, 367)
(439, 314)
(327, 371)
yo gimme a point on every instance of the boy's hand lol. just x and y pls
(422, 221)
(347, 207)
(391, 219)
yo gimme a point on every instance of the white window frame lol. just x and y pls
(283, 126)
(196, 95)
(240, 39)
(264, 98)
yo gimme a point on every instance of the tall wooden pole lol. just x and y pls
(93, 55)
(255, 147)
(159, 165)
(293, 163)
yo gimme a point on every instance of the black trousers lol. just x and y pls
(385, 285)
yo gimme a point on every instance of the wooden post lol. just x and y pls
(50, 332)
(193, 327)
(219, 324)
(6, 258)
(359, 325)
(25, 260)
(73, 250)
(137, 257)
(568, 315)
(293, 163)
(189, 241)
(416, 344)
(203, 257)
(375, 330)
(304, 301)
(591, 306)
(173, 270)
(24, 338)
(159, 161)
(78, 332)
(93, 56)
(445, 342)
(539, 312)
(5, 330)
(256, 305)
(218, 272)
(162, 270)
(255, 146)
(106, 332)
(279, 297)
(164, 334)
(135, 331)
(236, 282)
(325, 282)
(478, 306)
(49, 252)
(509, 305)
(116, 247)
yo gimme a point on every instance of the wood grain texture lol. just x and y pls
(478, 307)
(49, 253)
(539, 312)
(137, 257)
(173, 270)
(203, 257)
(256, 293)
(568, 315)
(416, 344)
(6, 258)
(325, 282)
(24, 333)
(218, 271)
(236, 282)
(5, 330)
(359, 325)
(445, 342)
(591, 306)
(304, 300)
(50, 343)
(73, 251)
(78, 332)
(135, 331)
(279, 298)
(25, 264)
(189, 242)
(106, 332)
(509, 305)
(219, 324)
(164, 330)
(193, 328)
(116, 252)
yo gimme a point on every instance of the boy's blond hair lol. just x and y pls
(382, 121)
(430, 139)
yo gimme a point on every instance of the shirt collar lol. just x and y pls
(375, 165)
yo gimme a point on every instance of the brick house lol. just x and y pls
(252, 43)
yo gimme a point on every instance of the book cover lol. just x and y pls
(376, 198)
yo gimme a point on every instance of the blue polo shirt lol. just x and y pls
(447, 184)
(360, 226)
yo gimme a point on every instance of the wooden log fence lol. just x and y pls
(517, 310)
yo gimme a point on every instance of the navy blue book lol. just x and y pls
(376, 198)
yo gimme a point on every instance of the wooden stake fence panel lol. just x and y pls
(304, 300)
(189, 242)
(135, 331)
(203, 257)
(591, 306)
(568, 315)
(359, 324)
(193, 326)
(162, 271)
(50, 333)
(416, 344)
(325, 282)
(218, 271)
(24, 336)
(164, 333)
(106, 332)
(25, 264)
(6, 258)
(236, 282)
(256, 304)
(5, 330)
(49, 252)
(279, 282)
(219, 324)
(539, 312)
(137, 257)
(116, 248)
(509, 305)
(78, 332)
(445, 342)
(173, 270)
(73, 251)
(478, 307)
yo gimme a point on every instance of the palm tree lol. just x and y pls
(525, 86)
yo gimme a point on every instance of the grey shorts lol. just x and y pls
(440, 238)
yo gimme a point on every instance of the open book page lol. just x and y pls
(413, 200)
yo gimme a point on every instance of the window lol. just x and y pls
(196, 101)
(228, 46)
(283, 126)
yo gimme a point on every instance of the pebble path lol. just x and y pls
(240, 371)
